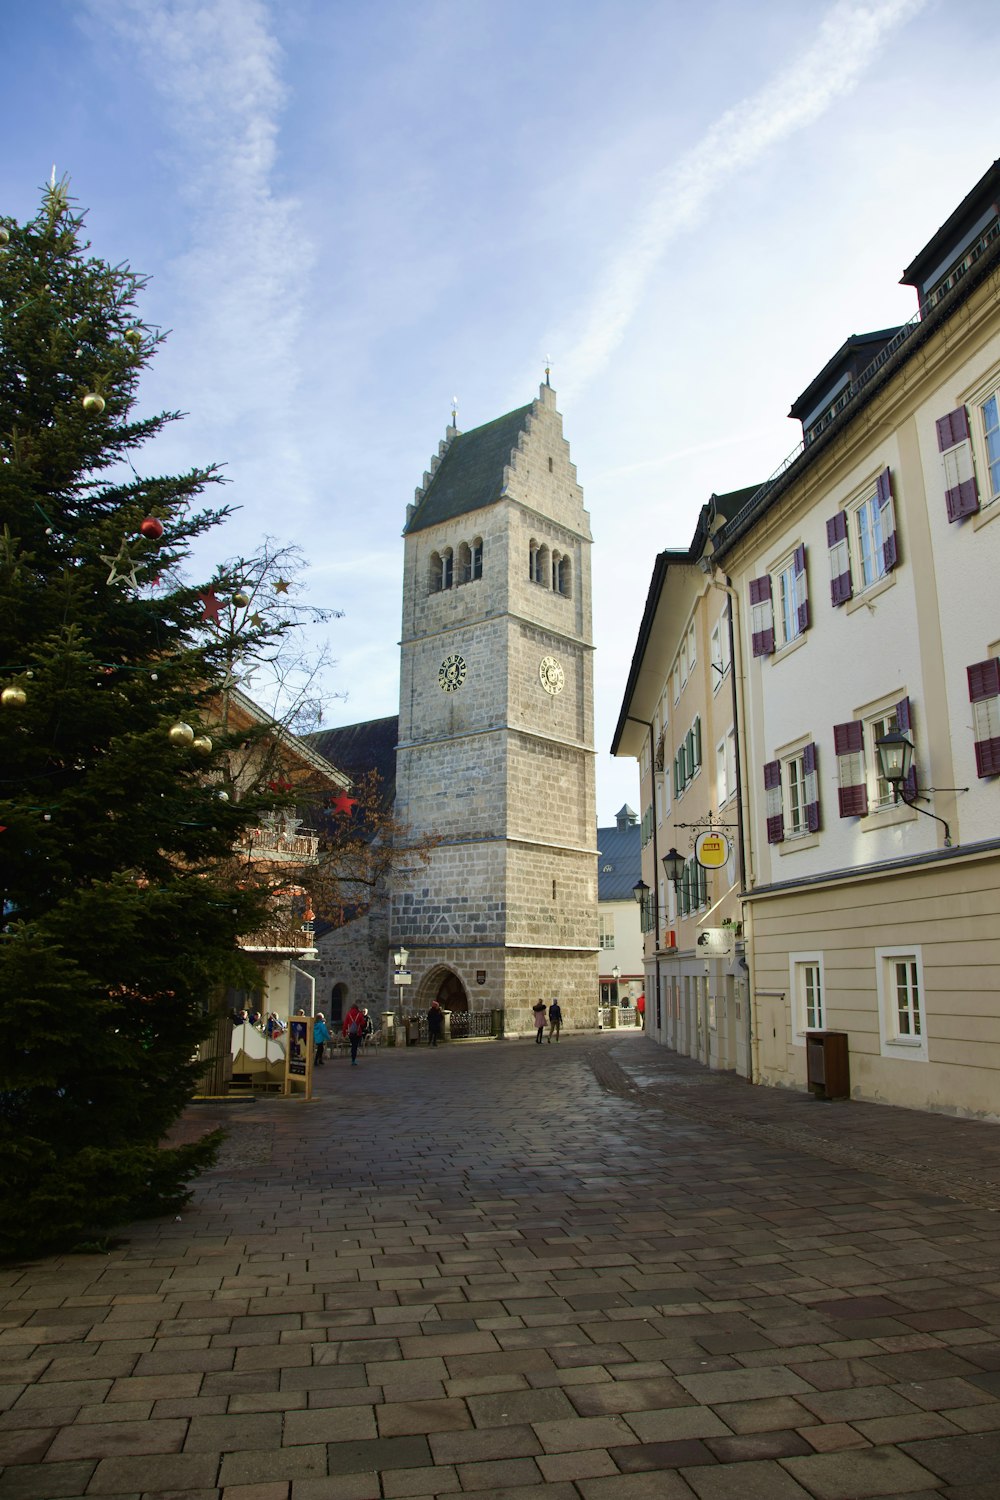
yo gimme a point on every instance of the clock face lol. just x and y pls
(451, 674)
(552, 675)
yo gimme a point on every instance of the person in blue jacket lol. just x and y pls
(321, 1035)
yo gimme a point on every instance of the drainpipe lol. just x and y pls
(744, 847)
(647, 725)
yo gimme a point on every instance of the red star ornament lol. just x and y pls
(344, 804)
(210, 606)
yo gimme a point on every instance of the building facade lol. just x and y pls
(620, 959)
(866, 622)
(679, 721)
(867, 575)
(495, 758)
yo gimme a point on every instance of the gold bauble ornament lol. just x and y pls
(222, 796)
(4, 236)
(93, 404)
(241, 600)
(133, 336)
(181, 734)
(202, 744)
(13, 697)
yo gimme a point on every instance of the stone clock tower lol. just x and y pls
(495, 758)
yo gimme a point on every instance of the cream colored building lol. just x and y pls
(864, 579)
(867, 575)
(678, 720)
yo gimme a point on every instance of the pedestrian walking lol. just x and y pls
(640, 1010)
(321, 1035)
(555, 1019)
(357, 1026)
(435, 1023)
(538, 1011)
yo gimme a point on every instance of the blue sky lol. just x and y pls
(351, 213)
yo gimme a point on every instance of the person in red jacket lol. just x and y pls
(640, 1008)
(357, 1025)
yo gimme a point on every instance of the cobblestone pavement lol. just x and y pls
(591, 1268)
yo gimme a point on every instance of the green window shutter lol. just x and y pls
(696, 734)
(689, 751)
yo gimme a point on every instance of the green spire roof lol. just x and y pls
(470, 475)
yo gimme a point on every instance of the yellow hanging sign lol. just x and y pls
(711, 850)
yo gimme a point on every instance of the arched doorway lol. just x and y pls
(451, 994)
(338, 999)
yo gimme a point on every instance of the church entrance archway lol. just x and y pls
(451, 993)
(338, 1000)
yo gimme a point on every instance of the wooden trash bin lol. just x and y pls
(827, 1068)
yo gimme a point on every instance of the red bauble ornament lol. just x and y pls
(151, 529)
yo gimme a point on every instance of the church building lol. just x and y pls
(494, 759)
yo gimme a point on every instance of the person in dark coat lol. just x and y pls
(555, 1020)
(435, 1023)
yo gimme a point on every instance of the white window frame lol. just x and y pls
(731, 761)
(985, 431)
(800, 966)
(659, 802)
(893, 1041)
(793, 795)
(692, 645)
(722, 791)
(880, 794)
(606, 930)
(865, 526)
(785, 588)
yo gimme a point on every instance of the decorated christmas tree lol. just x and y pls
(122, 904)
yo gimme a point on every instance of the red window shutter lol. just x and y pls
(761, 616)
(802, 588)
(772, 801)
(852, 791)
(840, 558)
(810, 769)
(984, 694)
(890, 549)
(961, 496)
(952, 429)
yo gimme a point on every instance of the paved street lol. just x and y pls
(588, 1270)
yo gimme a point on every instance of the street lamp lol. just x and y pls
(400, 958)
(616, 974)
(673, 867)
(895, 757)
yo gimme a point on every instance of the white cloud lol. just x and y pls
(240, 283)
(848, 40)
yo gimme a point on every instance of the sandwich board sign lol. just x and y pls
(299, 1053)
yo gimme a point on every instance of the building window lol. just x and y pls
(862, 542)
(902, 1019)
(721, 661)
(984, 695)
(990, 410)
(806, 977)
(861, 787)
(791, 795)
(476, 559)
(692, 646)
(605, 930)
(779, 605)
(693, 892)
(538, 564)
(441, 571)
(687, 761)
(560, 574)
(961, 493)
(721, 783)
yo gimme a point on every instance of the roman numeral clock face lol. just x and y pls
(551, 674)
(451, 673)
